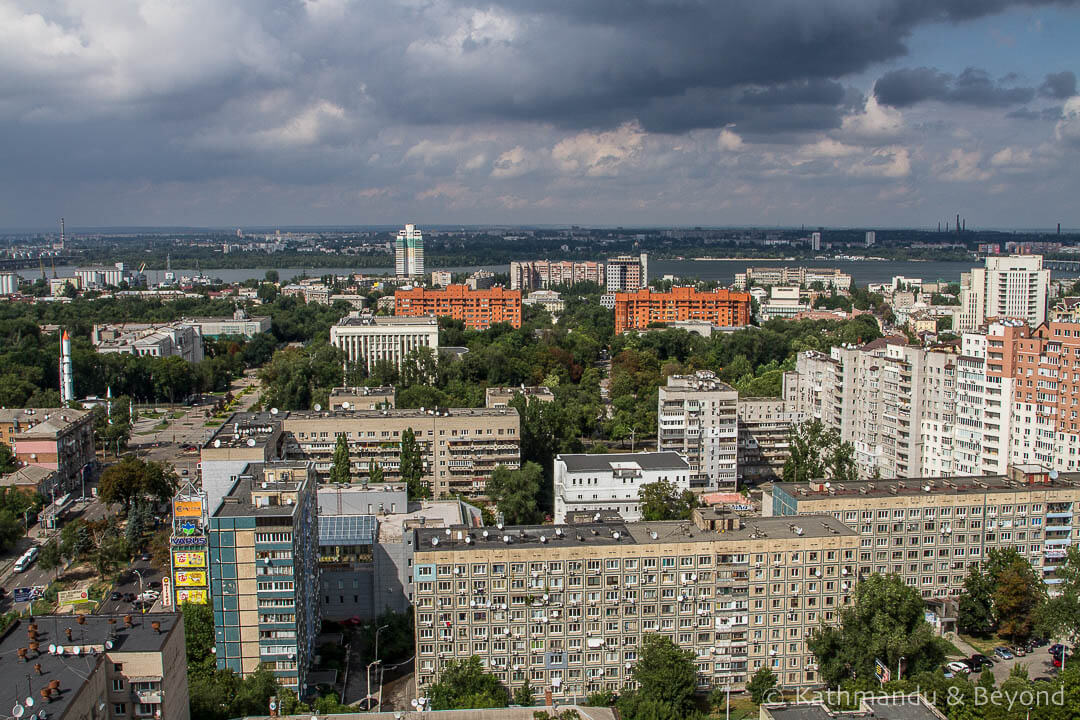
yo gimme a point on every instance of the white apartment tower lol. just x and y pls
(409, 253)
(698, 417)
(1010, 286)
(871, 238)
(815, 241)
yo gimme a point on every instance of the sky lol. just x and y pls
(858, 113)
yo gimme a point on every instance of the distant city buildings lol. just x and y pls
(480, 280)
(9, 283)
(177, 339)
(478, 309)
(370, 339)
(815, 241)
(871, 238)
(99, 277)
(627, 273)
(830, 278)
(547, 299)
(441, 278)
(409, 253)
(697, 417)
(784, 303)
(545, 274)
(637, 310)
(239, 325)
(1009, 286)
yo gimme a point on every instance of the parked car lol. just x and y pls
(978, 661)
(154, 584)
(145, 557)
(129, 597)
(958, 668)
(1019, 650)
(115, 595)
(1003, 652)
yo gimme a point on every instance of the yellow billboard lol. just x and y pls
(189, 578)
(197, 597)
(187, 508)
(189, 559)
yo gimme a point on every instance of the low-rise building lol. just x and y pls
(785, 302)
(240, 325)
(547, 299)
(9, 283)
(264, 545)
(611, 482)
(639, 309)
(500, 397)
(56, 439)
(106, 667)
(362, 398)
(565, 607)
(178, 339)
(32, 479)
(368, 340)
(99, 277)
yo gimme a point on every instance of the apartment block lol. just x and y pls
(460, 446)
(764, 426)
(478, 309)
(697, 417)
(409, 253)
(56, 439)
(1008, 287)
(800, 276)
(264, 545)
(930, 531)
(243, 439)
(627, 273)
(103, 667)
(565, 607)
(637, 310)
(545, 274)
(368, 340)
(611, 482)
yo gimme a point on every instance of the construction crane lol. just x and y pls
(142, 268)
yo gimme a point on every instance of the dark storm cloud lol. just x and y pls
(903, 88)
(1050, 114)
(1059, 86)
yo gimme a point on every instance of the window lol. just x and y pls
(118, 684)
(119, 708)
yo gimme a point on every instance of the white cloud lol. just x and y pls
(875, 122)
(728, 141)
(513, 163)
(962, 166)
(827, 148)
(599, 154)
(889, 162)
(1067, 129)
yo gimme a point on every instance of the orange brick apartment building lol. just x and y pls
(479, 309)
(636, 310)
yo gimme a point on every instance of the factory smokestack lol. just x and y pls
(964, 225)
(958, 223)
(1059, 228)
(67, 382)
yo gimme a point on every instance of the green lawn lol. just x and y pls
(984, 645)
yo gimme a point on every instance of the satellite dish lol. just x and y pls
(251, 442)
(76, 650)
(43, 715)
(273, 411)
(217, 443)
(1053, 474)
(273, 705)
(59, 649)
(17, 711)
(318, 407)
(52, 649)
(345, 405)
(29, 701)
(413, 702)
(109, 645)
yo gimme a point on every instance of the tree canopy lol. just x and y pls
(515, 493)
(464, 685)
(661, 500)
(666, 677)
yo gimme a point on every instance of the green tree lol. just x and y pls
(661, 500)
(272, 276)
(112, 550)
(666, 677)
(604, 698)
(464, 685)
(199, 637)
(761, 685)
(7, 460)
(375, 475)
(75, 540)
(412, 466)
(132, 478)
(885, 622)
(339, 470)
(1059, 617)
(975, 610)
(523, 695)
(809, 443)
(515, 493)
(1018, 595)
(50, 557)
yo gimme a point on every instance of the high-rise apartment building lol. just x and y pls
(409, 253)
(1008, 287)
(594, 483)
(368, 340)
(815, 241)
(697, 417)
(627, 273)
(637, 310)
(565, 607)
(871, 238)
(478, 309)
(930, 531)
(264, 550)
(764, 426)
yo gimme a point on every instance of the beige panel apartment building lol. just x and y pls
(460, 446)
(931, 530)
(565, 607)
(697, 417)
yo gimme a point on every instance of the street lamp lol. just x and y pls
(377, 631)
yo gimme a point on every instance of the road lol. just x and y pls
(129, 583)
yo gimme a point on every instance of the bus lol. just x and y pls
(26, 560)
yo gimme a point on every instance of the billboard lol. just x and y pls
(166, 591)
(192, 596)
(189, 559)
(187, 508)
(70, 597)
(190, 578)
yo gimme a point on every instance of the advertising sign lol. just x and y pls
(190, 578)
(189, 559)
(187, 528)
(166, 591)
(192, 596)
(70, 597)
(187, 508)
(188, 541)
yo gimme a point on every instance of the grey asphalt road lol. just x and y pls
(129, 583)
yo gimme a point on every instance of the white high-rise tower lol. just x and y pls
(409, 255)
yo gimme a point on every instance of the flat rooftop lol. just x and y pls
(70, 669)
(239, 501)
(401, 413)
(385, 321)
(243, 427)
(623, 533)
(624, 461)
(362, 391)
(434, 513)
(885, 708)
(963, 485)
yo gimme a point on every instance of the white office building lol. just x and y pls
(9, 283)
(698, 417)
(588, 484)
(367, 339)
(1010, 286)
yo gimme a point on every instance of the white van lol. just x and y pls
(26, 560)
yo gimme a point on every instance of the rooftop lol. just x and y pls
(884, 708)
(72, 660)
(246, 428)
(26, 475)
(433, 514)
(624, 461)
(253, 496)
(358, 320)
(963, 485)
(49, 422)
(701, 380)
(623, 533)
(401, 413)
(362, 391)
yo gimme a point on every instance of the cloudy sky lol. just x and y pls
(781, 112)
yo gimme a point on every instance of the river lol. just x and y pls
(863, 272)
